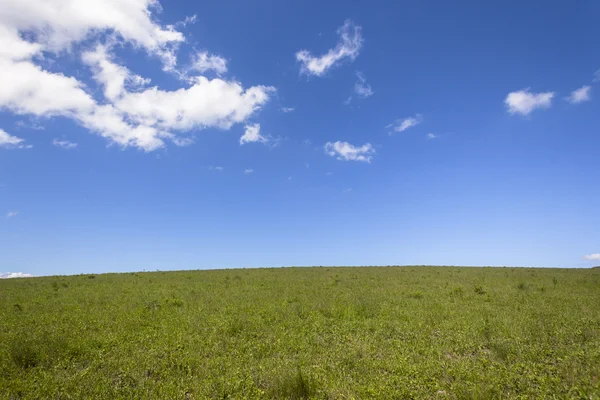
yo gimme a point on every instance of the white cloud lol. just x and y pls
(58, 24)
(592, 257)
(130, 114)
(9, 275)
(347, 152)
(202, 62)
(248, 171)
(286, 109)
(524, 102)
(216, 168)
(65, 144)
(431, 136)
(403, 124)
(252, 135)
(347, 47)
(597, 76)
(12, 142)
(112, 76)
(362, 88)
(12, 214)
(188, 20)
(580, 95)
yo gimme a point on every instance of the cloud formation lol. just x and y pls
(204, 61)
(130, 113)
(361, 87)
(64, 144)
(12, 214)
(524, 102)
(12, 142)
(252, 135)
(580, 95)
(9, 275)
(347, 152)
(592, 257)
(348, 46)
(401, 125)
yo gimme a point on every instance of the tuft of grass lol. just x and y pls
(479, 290)
(24, 353)
(295, 386)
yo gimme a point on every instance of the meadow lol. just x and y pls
(303, 333)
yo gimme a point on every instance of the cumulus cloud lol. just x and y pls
(524, 102)
(361, 87)
(592, 257)
(347, 152)
(204, 61)
(64, 144)
(252, 135)
(9, 275)
(580, 95)
(131, 114)
(348, 46)
(12, 214)
(12, 142)
(401, 125)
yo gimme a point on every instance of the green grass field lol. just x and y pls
(322, 333)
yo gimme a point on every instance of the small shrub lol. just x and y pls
(91, 276)
(55, 286)
(479, 290)
(17, 307)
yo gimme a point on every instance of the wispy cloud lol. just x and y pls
(9, 275)
(401, 125)
(64, 144)
(597, 76)
(431, 136)
(12, 142)
(347, 47)
(216, 168)
(286, 109)
(524, 102)
(252, 135)
(203, 61)
(248, 171)
(30, 125)
(347, 152)
(361, 87)
(12, 214)
(592, 257)
(580, 95)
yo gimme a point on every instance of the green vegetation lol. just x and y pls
(323, 333)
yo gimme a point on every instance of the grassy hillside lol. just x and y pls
(326, 333)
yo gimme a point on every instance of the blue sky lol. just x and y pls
(135, 136)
